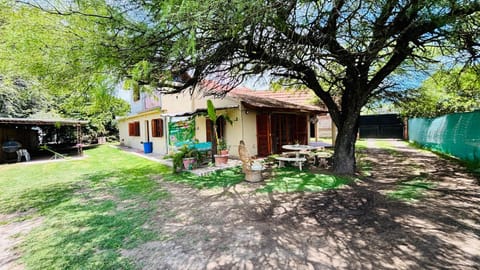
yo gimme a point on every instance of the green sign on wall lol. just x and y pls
(181, 131)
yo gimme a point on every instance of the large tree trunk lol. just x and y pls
(344, 156)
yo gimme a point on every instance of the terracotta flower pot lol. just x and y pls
(220, 159)
(188, 163)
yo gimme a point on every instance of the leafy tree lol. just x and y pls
(58, 57)
(456, 90)
(345, 51)
(20, 99)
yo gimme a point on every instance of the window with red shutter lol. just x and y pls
(134, 129)
(157, 127)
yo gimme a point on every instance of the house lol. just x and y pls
(264, 120)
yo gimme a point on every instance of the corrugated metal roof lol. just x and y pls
(42, 122)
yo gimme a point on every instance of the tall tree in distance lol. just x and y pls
(446, 91)
(344, 50)
(49, 63)
(20, 99)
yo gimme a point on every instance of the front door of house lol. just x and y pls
(220, 125)
(288, 129)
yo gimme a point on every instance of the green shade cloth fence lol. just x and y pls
(455, 134)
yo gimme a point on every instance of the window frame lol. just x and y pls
(134, 129)
(157, 127)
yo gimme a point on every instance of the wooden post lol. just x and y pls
(79, 139)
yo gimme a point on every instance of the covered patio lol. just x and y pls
(37, 135)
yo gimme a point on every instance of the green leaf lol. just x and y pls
(212, 114)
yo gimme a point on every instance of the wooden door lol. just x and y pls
(220, 125)
(208, 127)
(264, 140)
(301, 132)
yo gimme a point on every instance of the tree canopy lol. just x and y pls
(446, 91)
(344, 50)
(48, 63)
(20, 99)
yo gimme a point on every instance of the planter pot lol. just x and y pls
(223, 152)
(220, 159)
(188, 163)
(253, 176)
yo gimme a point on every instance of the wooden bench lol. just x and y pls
(299, 161)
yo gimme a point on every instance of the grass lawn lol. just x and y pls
(92, 208)
(288, 179)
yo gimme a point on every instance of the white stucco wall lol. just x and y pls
(324, 125)
(177, 103)
(249, 130)
(184, 102)
(159, 143)
(243, 128)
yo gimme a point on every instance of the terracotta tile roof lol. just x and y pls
(281, 99)
(299, 99)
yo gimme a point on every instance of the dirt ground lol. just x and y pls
(10, 237)
(356, 227)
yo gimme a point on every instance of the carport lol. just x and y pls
(30, 134)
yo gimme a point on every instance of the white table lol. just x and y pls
(298, 148)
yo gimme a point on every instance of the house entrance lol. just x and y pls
(220, 125)
(277, 129)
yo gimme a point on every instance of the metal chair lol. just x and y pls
(23, 153)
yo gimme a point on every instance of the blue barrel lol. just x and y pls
(147, 147)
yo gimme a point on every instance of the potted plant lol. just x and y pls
(222, 147)
(217, 146)
(190, 159)
(184, 157)
(177, 160)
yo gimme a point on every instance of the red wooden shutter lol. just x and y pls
(160, 128)
(208, 126)
(264, 140)
(157, 127)
(132, 129)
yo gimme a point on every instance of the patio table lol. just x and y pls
(298, 148)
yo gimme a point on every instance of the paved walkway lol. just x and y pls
(232, 162)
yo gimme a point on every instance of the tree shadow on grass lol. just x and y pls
(351, 228)
(40, 199)
(357, 226)
(87, 224)
(218, 179)
(293, 180)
